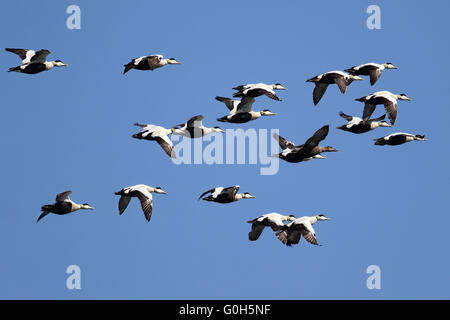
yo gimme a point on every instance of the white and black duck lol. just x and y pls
(291, 233)
(358, 125)
(149, 63)
(273, 220)
(386, 98)
(143, 193)
(254, 90)
(371, 69)
(241, 110)
(63, 205)
(398, 138)
(307, 151)
(156, 133)
(194, 128)
(34, 61)
(341, 79)
(225, 195)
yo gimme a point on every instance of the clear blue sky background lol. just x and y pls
(71, 128)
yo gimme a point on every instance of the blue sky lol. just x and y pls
(70, 128)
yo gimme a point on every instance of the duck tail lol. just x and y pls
(128, 67)
(15, 69)
(45, 211)
(350, 70)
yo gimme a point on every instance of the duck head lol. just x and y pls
(389, 65)
(321, 217)
(278, 86)
(159, 190)
(173, 61)
(329, 149)
(58, 63)
(353, 77)
(267, 112)
(217, 129)
(86, 206)
(403, 96)
(419, 137)
(384, 124)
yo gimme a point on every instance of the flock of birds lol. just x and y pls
(240, 111)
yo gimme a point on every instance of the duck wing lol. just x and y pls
(345, 116)
(154, 61)
(214, 191)
(319, 91)
(284, 144)
(230, 103)
(391, 110)
(307, 231)
(374, 75)
(40, 56)
(245, 105)
(123, 203)
(166, 144)
(318, 136)
(145, 197)
(195, 122)
(368, 110)
(24, 54)
(63, 196)
(342, 83)
(257, 229)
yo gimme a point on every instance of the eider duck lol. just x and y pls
(357, 125)
(241, 111)
(371, 69)
(149, 63)
(63, 205)
(194, 128)
(254, 90)
(309, 150)
(290, 233)
(341, 79)
(143, 193)
(388, 99)
(34, 61)
(158, 134)
(225, 195)
(273, 220)
(398, 138)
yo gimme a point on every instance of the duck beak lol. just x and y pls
(357, 78)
